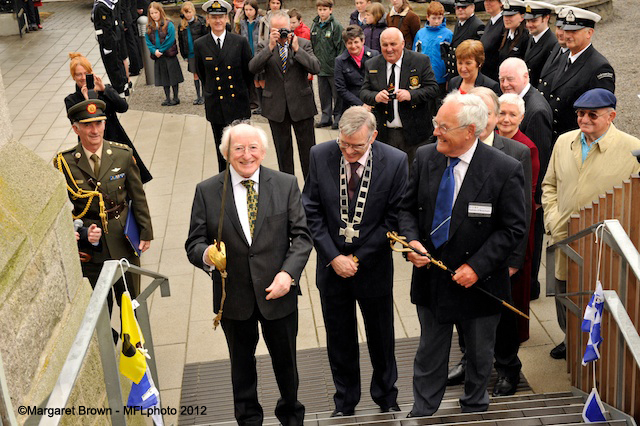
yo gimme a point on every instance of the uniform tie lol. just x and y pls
(283, 56)
(218, 43)
(568, 64)
(444, 205)
(96, 164)
(354, 181)
(252, 204)
(392, 86)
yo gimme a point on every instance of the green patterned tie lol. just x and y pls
(252, 204)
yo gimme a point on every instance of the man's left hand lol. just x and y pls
(294, 42)
(94, 233)
(144, 245)
(465, 276)
(403, 95)
(280, 286)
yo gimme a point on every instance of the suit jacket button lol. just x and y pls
(229, 77)
(217, 78)
(216, 68)
(233, 95)
(558, 99)
(219, 87)
(228, 67)
(231, 86)
(221, 97)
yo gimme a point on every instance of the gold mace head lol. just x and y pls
(218, 255)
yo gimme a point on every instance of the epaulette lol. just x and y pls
(118, 145)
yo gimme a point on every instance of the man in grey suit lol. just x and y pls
(287, 98)
(267, 247)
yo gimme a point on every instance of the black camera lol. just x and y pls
(392, 96)
(91, 85)
(284, 32)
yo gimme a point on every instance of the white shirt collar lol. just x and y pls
(525, 90)
(511, 35)
(221, 37)
(489, 139)
(236, 179)
(577, 55)
(467, 156)
(537, 37)
(398, 63)
(494, 19)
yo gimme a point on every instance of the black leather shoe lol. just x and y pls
(321, 125)
(392, 409)
(334, 126)
(338, 413)
(411, 415)
(505, 386)
(456, 375)
(559, 352)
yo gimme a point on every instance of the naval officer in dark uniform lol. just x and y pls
(222, 63)
(468, 26)
(106, 22)
(542, 41)
(109, 171)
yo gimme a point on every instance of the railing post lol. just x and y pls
(7, 416)
(110, 367)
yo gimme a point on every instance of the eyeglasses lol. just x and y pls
(444, 129)
(241, 149)
(593, 116)
(357, 148)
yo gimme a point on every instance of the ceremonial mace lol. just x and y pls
(395, 238)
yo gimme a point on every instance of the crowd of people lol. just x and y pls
(470, 143)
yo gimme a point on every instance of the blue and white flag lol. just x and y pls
(593, 410)
(591, 325)
(145, 395)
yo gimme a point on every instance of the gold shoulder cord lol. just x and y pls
(82, 193)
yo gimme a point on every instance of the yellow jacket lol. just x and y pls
(571, 184)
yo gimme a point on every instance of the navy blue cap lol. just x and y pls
(595, 99)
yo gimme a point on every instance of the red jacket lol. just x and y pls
(303, 31)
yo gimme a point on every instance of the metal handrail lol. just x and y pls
(7, 416)
(96, 318)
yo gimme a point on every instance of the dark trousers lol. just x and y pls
(217, 137)
(305, 136)
(115, 69)
(280, 337)
(537, 253)
(561, 310)
(330, 102)
(135, 59)
(339, 312)
(395, 138)
(431, 362)
(92, 271)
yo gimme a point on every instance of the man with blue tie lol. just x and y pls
(465, 205)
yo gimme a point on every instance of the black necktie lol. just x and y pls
(568, 64)
(392, 86)
(354, 181)
(218, 43)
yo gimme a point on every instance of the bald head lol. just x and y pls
(392, 44)
(514, 75)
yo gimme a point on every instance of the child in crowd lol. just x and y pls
(375, 17)
(265, 25)
(192, 27)
(248, 26)
(357, 16)
(161, 41)
(301, 30)
(402, 17)
(428, 41)
(326, 40)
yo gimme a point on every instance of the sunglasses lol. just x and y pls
(593, 116)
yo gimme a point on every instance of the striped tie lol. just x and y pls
(252, 204)
(283, 57)
(444, 205)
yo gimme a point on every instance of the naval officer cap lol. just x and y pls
(577, 19)
(596, 99)
(216, 7)
(87, 111)
(537, 9)
(463, 3)
(511, 7)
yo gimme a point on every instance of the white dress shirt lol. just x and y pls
(494, 19)
(524, 91)
(575, 57)
(221, 37)
(460, 171)
(536, 38)
(396, 116)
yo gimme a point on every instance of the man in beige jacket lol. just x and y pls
(585, 163)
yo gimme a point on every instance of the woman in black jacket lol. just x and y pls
(192, 27)
(80, 67)
(515, 38)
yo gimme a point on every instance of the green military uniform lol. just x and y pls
(119, 182)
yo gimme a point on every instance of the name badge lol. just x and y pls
(480, 209)
(208, 58)
(116, 177)
(373, 71)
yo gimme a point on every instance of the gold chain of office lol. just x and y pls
(81, 193)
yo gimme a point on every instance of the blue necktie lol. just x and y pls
(444, 205)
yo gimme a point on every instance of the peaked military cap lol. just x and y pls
(87, 111)
(577, 19)
(536, 9)
(216, 7)
(511, 7)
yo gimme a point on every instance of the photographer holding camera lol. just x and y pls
(287, 98)
(401, 88)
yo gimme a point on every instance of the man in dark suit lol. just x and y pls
(287, 98)
(468, 26)
(584, 69)
(266, 251)
(402, 104)
(491, 38)
(542, 40)
(354, 257)
(222, 64)
(465, 205)
(536, 125)
(555, 56)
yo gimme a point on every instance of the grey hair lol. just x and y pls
(518, 64)
(513, 99)
(280, 14)
(485, 91)
(244, 127)
(474, 110)
(354, 118)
